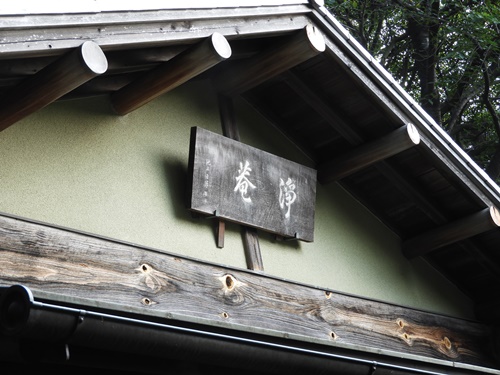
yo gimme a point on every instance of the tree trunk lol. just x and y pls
(423, 31)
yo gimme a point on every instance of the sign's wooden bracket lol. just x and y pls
(295, 237)
(220, 229)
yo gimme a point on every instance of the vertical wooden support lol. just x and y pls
(49, 84)
(469, 226)
(167, 76)
(252, 249)
(220, 231)
(228, 120)
(250, 237)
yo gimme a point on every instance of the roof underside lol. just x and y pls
(328, 106)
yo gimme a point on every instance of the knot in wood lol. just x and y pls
(230, 292)
(447, 343)
(407, 338)
(154, 279)
(229, 282)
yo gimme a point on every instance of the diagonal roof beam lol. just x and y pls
(452, 232)
(171, 74)
(49, 84)
(369, 153)
(248, 74)
(353, 137)
(384, 167)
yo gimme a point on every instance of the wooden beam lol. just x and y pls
(388, 169)
(464, 228)
(49, 84)
(167, 76)
(227, 117)
(251, 246)
(318, 104)
(369, 153)
(347, 131)
(247, 74)
(93, 272)
(220, 232)
(118, 30)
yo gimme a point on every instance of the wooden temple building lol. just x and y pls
(211, 187)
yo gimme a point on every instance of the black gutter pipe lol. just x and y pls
(24, 318)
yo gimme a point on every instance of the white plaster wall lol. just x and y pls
(78, 165)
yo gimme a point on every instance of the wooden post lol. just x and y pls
(167, 76)
(220, 232)
(250, 236)
(369, 153)
(247, 74)
(252, 249)
(469, 226)
(49, 84)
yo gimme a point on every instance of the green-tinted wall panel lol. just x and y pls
(78, 165)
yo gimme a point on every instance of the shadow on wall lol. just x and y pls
(175, 174)
(176, 179)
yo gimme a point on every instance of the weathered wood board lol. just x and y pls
(95, 272)
(240, 183)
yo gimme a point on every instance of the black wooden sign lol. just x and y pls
(240, 183)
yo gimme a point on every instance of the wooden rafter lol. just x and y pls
(52, 82)
(169, 75)
(452, 232)
(388, 169)
(369, 153)
(245, 75)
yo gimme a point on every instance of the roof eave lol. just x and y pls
(486, 189)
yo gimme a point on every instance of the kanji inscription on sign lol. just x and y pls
(243, 184)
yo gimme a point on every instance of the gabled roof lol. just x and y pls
(337, 105)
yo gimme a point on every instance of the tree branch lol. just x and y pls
(394, 42)
(487, 102)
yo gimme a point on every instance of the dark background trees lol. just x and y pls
(446, 54)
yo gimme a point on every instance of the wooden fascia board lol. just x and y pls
(97, 6)
(42, 34)
(91, 271)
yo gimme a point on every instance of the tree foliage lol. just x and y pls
(444, 53)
